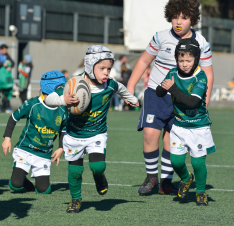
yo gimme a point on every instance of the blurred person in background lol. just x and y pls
(231, 83)
(25, 71)
(66, 74)
(6, 80)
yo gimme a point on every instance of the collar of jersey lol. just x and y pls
(179, 38)
(41, 98)
(198, 69)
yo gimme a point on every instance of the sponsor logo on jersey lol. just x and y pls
(19, 110)
(58, 120)
(199, 146)
(98, 142)
(192, 112)
(180, 147)
(45, 130)
(190, 88)
(201, 86)
(27, 164)
(202, 81)
(168, 50)
(45, 167)
(150, 118)
(21, 160)
(91, 114)
(105, 99)
(69, 151)
(187, 121)
(38, 116)
(173, 144)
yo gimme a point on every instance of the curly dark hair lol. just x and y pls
(189, 8)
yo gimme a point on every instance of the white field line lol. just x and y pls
(130, 130)
(124, 185)
(142, 163)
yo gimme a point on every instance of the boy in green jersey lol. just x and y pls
(87, 132)
(35, 145)
(191, 129)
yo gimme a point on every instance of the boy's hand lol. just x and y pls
(168, 83)
(69, 98)
(57, 155)
(6, 145)
(133, 105)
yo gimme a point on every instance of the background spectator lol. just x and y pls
(66, 74)
(25, 71)
(6, 80)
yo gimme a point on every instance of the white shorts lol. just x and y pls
(76, 148)
(26, 161)
(198, 141)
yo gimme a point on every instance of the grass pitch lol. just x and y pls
(125, 173)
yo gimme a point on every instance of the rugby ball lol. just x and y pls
(80, 87)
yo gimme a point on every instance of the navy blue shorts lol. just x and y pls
(157, 112)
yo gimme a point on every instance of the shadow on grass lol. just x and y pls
(59, 186)
(3, 182)
(104, 205)
(15, 206)
(192, 195)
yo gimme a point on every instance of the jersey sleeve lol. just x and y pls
(56, 98)
(154, 45)
(200, 87)
(206, 54)
(23, 111)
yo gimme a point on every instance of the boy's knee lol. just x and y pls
(42, 189)
(16, 185)
(97, 168)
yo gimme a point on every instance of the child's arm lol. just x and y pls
(54, 100)
(140, 67)
(58, 153)
(160, 91)
(6, 145)
(123, 92)
(189, 100)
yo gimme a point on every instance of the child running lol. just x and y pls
(191, 129)
(157, 113)
(87, 132)
(34, 148)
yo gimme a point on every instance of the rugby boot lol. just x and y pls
(202, 199)
(184, 187)
(74, 206)
(101, 184)
(148, 185)
(168, 189)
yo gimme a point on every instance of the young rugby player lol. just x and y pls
(191, 129)
(157, 113)
(34, 148)
(87, 132)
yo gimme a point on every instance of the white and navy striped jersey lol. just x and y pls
(163, 46)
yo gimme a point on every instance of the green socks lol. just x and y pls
(200, 171)
(199, 166)
(97, 168)
(75, 180)
(178, 163)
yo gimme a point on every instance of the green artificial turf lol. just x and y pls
(125, 172)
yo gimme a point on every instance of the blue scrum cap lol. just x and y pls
(51, 80)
